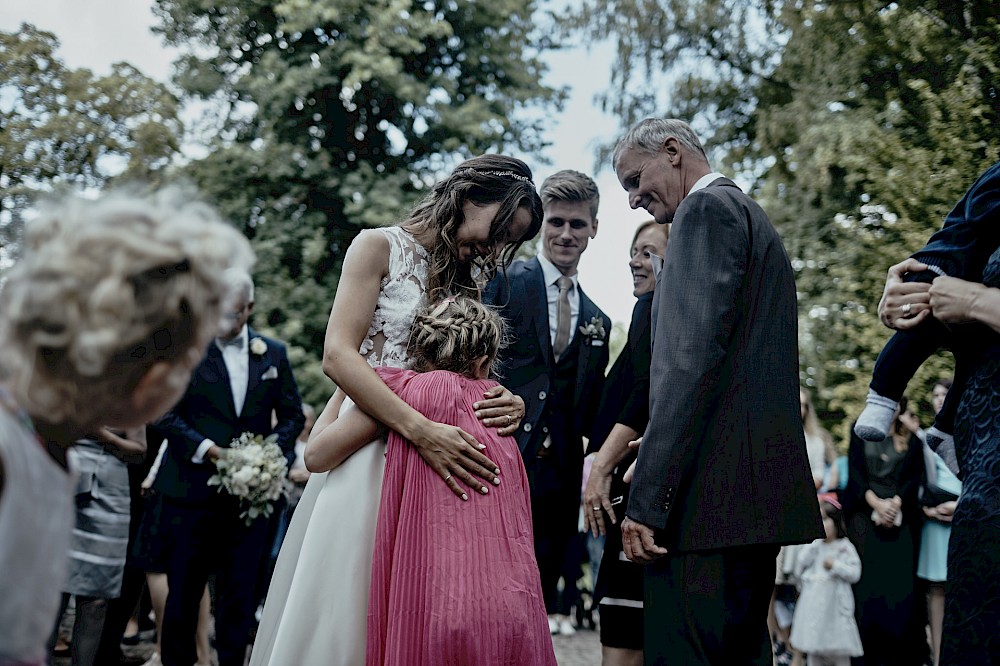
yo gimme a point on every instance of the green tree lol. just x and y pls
(336, 115)
(68, 127)
(857, 123)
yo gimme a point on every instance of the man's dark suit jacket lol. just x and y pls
(207, 412)
(723, 460)
(529, 365)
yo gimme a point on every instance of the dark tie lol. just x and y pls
(563, 316)
(235, 342)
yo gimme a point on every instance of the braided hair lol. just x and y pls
(453, 333)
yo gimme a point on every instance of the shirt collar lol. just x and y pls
(242, 337)
(551, 273)
(705, 181)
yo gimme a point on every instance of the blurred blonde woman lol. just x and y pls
(101, 322)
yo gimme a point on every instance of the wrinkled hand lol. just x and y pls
(501, 410)
(454, 453)
(951, 299)
(638, 542)
(898, 294)
(630, 472)
(597, 495)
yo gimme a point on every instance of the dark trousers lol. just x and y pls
(710, 608)
(205, 540)
(554, 516)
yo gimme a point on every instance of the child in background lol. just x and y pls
(824, 626)
(460, 577)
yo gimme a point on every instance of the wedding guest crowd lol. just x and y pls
(129, 316)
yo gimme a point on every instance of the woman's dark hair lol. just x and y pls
(483, 180)
(836, 514)
(897, 425)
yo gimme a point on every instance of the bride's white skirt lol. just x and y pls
(317, 606)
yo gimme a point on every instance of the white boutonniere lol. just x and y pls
(594, 331)
(258, 347)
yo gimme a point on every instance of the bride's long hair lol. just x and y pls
(483, 180)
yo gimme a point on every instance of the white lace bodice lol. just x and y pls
(402, 293)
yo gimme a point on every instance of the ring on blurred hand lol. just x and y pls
(510, 419)
(448, 478)
(597, 508)
(907, 307)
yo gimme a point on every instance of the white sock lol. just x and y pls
(874, 422)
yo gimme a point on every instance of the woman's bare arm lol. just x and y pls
(336, 436)
(451, 452)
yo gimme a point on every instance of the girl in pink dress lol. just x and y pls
(431, 548)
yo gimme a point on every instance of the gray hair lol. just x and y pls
(104, 290)
(649, 135)
(239, 283)
(573, 186)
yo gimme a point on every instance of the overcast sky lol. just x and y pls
(96, 33)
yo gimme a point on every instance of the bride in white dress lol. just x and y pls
(316, 608)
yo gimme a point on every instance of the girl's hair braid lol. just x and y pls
(453, 333)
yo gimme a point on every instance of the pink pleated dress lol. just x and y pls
(454, 583)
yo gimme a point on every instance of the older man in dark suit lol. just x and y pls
(556, 363)
(244, 379)
(722, 477)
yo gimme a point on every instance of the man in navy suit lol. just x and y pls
(722, 479)
(556, 363)
(243, 382)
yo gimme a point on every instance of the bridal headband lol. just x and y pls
(502, 174)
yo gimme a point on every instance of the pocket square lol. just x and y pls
(270, 373)
(597, 343)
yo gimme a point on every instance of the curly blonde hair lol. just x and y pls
(453, 333)
(483, 180)
(104, 290)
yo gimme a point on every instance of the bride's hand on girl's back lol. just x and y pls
(501, 409)
(456, 456)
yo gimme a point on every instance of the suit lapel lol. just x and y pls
(255, 368)
(217, 369)
(537, 294)
(587, 311)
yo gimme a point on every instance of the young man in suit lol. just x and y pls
(244, 379)
(556, 363)
(722, 477)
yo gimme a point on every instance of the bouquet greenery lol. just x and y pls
(253, 471)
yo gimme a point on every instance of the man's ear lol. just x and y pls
(672, 148)
(593, 230)
(481, 367)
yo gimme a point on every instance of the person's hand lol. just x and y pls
(904, 304)
(630, 472)
(638, 542)
(951, 299)
(946, 511)
(298, 475)
(886, 510)
(828, 563)
(597, 495)
(455, 454)
(932, 512)
(501, 410)
(215, 453)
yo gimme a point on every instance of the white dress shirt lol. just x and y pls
(705, 181)
(551, 274)
(237, 359)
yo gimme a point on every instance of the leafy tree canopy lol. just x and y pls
(859, 124)
(68, 127)
(336, 115)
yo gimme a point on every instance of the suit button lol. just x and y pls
(542, 395)
(545, 429)
(527, 427)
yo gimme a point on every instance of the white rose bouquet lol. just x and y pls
(253, 471)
